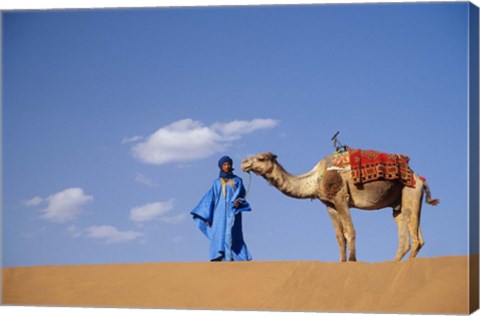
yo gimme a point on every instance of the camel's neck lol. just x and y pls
(304, 186)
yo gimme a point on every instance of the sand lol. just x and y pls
(424, 285)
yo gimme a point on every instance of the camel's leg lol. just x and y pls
(337, 225)
(412, 199)
(414, 226)
(350, 235)
(403, 235)
(420, 236)
(417, 238)
(341, 205)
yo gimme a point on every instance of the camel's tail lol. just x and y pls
(428, 197)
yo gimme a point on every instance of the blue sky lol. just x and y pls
(113, 122)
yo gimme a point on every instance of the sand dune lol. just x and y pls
(424, 285)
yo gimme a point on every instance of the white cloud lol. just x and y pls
(109, 234)
(150, 211)
(65, 206)
(140, 178)
(235, 129)
(174, 219)
(35, 201)
(132, 139)
(74, 232)
(187, 140)
(156, 211)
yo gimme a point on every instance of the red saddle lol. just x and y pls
(371, 165)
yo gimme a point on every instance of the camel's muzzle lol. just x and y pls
(246, 166)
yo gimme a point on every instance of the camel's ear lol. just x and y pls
(274, 157)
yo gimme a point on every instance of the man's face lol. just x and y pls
(227, 167)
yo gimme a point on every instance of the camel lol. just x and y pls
(335, 189)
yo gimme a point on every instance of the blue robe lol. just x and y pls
(217, 207)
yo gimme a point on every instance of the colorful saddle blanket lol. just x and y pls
(370, 165)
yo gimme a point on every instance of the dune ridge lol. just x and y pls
(425, 285)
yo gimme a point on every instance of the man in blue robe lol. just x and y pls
(219, 215)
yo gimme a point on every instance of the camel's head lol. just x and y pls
(261, 164)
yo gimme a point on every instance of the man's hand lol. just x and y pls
(208, 223)
(236, 204)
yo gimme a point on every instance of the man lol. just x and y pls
(219, 215)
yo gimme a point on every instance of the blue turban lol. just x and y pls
(225, 175)
(223, 160)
